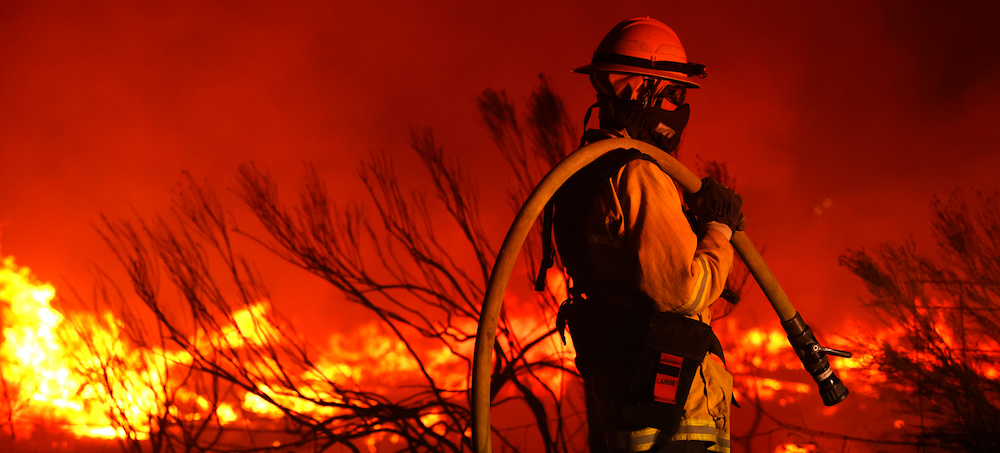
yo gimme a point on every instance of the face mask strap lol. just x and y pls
(648, 95)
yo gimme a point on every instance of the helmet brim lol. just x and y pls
(618, 68)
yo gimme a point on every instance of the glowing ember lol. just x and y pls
(792, 448)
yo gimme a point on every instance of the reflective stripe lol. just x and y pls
(704, 430)
(693, 305)
(702, 293)
(722, 444)
(637, 441)
(692, 429)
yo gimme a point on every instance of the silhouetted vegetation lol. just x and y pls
(210, 302)
(417, 260)
(945, 306)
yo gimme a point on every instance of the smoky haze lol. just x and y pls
(840, 120)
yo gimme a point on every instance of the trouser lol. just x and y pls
(595, 430)
(609, 433)
(638, 372)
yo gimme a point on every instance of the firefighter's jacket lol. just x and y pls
(638, 236)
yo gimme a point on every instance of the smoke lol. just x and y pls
(841, 121)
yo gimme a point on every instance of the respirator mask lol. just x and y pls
(642, 115)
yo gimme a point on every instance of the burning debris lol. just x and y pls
(80, 373)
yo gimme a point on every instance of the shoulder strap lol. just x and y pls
(547, 252)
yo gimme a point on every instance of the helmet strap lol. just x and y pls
(586, 119)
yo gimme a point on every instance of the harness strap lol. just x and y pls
(638, 440)
(547, 252)
(586, 119)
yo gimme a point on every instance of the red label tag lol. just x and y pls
(665, 388)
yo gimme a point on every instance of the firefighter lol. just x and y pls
(645, 271)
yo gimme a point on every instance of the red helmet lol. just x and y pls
(646, 47)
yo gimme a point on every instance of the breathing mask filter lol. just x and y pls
(635, 103)
(648, 123)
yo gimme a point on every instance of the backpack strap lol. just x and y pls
(575, 196)
(548, 254)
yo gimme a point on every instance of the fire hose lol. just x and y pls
(801, 337)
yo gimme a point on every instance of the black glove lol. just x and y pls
(716, 203)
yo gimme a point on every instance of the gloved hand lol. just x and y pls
(716, 203)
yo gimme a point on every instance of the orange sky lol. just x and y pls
(840, 121)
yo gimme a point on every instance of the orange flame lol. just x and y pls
(48, 365)
(45, 361)
(37, 382)
(793, 448)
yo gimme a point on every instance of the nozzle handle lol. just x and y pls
(836, 352)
